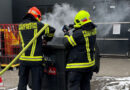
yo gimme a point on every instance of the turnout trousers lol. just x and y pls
(79, 80)
(36, 70)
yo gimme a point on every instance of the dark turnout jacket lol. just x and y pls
(81, 45)
(27, 30)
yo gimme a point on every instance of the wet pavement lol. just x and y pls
(114, 75)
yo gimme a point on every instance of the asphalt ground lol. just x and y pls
(110, 67)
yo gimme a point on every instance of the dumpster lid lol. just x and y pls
(56, 43)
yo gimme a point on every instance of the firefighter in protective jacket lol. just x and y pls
(81, 57)
(32, 59)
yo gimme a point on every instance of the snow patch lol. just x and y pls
(115, 83)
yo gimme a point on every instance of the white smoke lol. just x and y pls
(117, 14)
(64, 14)
(61, 15)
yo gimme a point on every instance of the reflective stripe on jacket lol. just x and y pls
(31, 58)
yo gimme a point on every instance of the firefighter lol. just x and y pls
(81, 56)
(32, 59)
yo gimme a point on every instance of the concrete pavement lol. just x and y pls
(116, 67)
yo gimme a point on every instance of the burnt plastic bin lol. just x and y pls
(55, 54)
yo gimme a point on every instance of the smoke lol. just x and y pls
(61, 15)
(117, 12)
(102, 13)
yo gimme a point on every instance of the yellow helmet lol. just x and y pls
(81, 18)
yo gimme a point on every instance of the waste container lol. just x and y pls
(55, 54)
(54, 70)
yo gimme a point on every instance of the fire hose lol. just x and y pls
(24, 49)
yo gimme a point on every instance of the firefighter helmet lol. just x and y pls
(35, 12)
(81, 18)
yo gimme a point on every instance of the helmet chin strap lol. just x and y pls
(37, 19)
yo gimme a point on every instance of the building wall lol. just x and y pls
(5, 11)
(20, 7)
(14, 10)
(100, 10)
